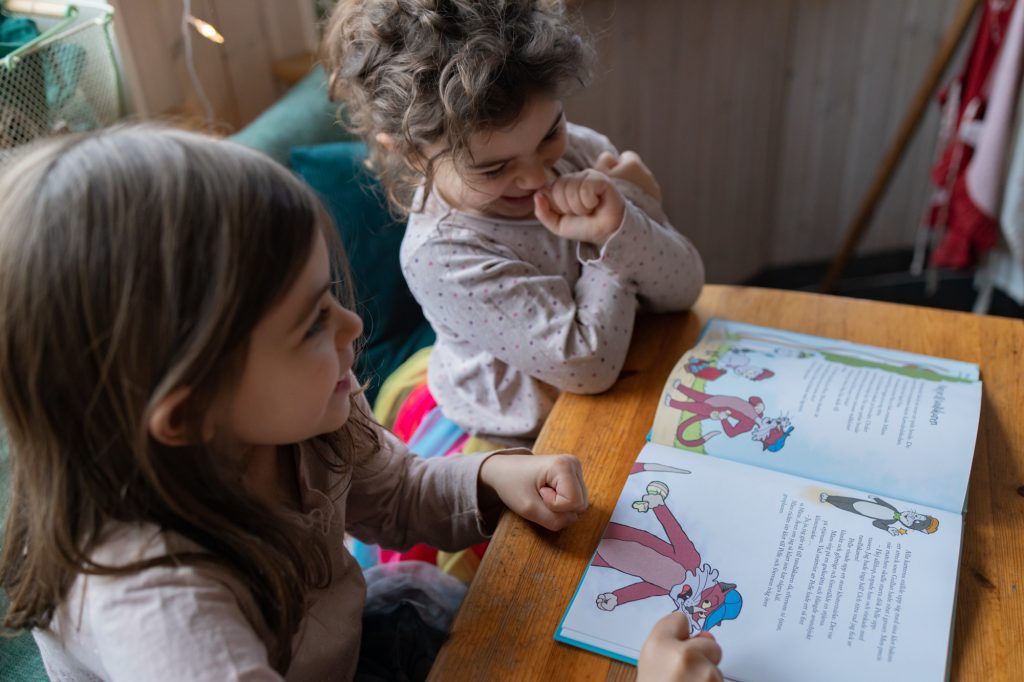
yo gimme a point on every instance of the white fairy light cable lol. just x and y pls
(186, 37)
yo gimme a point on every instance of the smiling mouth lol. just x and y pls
(519, 200)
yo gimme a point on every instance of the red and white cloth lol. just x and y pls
(978, 125)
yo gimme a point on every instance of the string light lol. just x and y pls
(206, 30)
(186, 38)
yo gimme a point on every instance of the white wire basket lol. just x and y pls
(66, 79)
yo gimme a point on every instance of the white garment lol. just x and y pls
(198, 623)
(521, 313)
(1003, 268)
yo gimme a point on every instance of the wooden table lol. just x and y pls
(505, 628)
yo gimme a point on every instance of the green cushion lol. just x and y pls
(19, 657)
(304, 116)
(395, 327)
(15, 32)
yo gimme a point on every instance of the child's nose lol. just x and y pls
(350, 326)
(533, 176)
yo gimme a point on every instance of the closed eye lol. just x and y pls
(494, 172)
(553, 134)
(318, 324)
(556, 131)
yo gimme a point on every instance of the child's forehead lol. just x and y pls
(304, 292)
(316, 271)
(539, 115)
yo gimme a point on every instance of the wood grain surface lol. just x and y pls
(505, 628)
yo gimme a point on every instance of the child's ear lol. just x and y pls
(386, 141)
(415, 163)
(167, 422)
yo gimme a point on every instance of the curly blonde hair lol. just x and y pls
(429, 71)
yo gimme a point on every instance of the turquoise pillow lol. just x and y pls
(15, 32)
(304, 116)
(394, 324)
(19, 657)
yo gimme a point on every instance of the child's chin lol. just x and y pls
(508, 210)
(521, 214)
(338, 415)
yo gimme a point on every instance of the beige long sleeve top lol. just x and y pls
(190, 622)
(522, 314)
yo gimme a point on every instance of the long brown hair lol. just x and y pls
(428, 71)
(132, 262)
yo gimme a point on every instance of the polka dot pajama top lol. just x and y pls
(522, 314)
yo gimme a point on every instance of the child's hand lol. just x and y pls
(546, 489)
(584, 206)
(631, 168)
(670, 655)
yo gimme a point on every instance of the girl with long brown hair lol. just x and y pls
(188, 444)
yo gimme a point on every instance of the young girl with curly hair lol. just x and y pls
(531, 242)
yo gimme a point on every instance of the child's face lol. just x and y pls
(505, 167)
(297, 378)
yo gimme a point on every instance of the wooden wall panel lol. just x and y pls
(236, 76)
(696, 89)
(818, 108)
(924, 28)
(147, 56)
(765, 121)
(865, 60)
(246, 57)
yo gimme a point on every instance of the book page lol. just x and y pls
(874, 419)
(795, 579)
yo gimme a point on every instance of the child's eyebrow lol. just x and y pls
(495, 162)
(313, 306)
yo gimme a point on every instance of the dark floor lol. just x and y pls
(886, 277)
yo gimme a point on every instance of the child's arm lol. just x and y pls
(631, 168)
(669, 655)
(636, 182)
(397, 498)
(615, 234)
(666, 268)
(546, 489)
(573, 336)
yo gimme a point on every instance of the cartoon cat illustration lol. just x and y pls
(738, 360)
(772, 433)
(736, 416)
(886, 517)
(672, 568)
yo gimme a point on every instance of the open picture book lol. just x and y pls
(802, 500)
